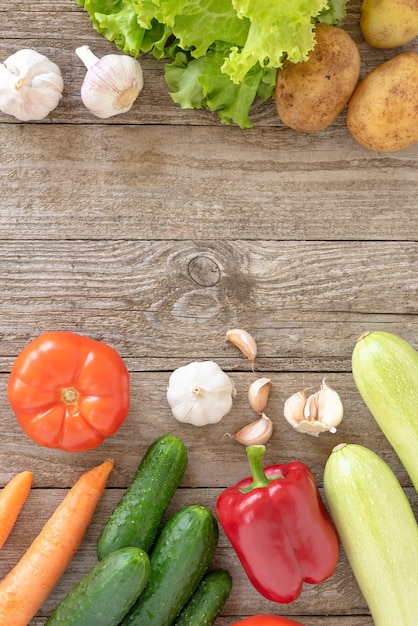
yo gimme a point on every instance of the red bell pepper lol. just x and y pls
(266, 620)
(277, 524)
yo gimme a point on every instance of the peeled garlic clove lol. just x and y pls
(255, 433)
(330, 406)
(294, 408)
(310, 410)
(200, 393)
(244, 341)
(258, 394)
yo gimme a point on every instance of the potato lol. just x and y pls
(389, 23)
(311, 94)
(382, 114)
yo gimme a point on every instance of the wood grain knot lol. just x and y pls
(204, 271)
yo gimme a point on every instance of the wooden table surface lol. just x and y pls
(157, 231)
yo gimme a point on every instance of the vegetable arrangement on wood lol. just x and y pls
(275, 519)
(222, 56)
(169, 580)
(52, 550)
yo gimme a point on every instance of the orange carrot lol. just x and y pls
(29, 583)
(12, 497)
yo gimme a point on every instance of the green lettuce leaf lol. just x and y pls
(116, 21)
(334, 13)
(279, 29)
(197, 25)
(199, 83)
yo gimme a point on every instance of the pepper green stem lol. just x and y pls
(255, 456)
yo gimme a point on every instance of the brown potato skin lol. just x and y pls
(389, 23)
(310, 95)
(382, 114)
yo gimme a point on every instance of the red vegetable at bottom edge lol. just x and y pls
(267, 620)
(277, 524)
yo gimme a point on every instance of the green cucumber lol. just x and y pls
(106, 593)
(378, 532)
(137, 517)
(207, 601)
(179, 559)
(385, 370)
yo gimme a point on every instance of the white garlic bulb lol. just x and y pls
(30, 85)
(111, 84)
(200, 393)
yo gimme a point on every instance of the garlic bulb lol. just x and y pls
(200, 393)
(111, 84)
(30, 85)
(318, 413)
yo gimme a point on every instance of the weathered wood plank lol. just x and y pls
(306, 303)
(288, 341)
(177, 278)
(98, 182)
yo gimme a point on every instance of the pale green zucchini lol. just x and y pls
(378, 532)
(385, 370)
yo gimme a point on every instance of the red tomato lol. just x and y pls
(267, 620)
(68, 391)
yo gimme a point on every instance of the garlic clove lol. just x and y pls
(310, 410)
(330, 406)
(111, 84)
(321, 412)
(244, 341)
(294, 408)
(31, 85)
(258, 394)
(200, 393)
(255, 433)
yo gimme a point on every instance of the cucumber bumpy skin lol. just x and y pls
(385, 370)
(378, 532)
(106, 593)
(207, 601)
(179, 559)
(137, 517)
